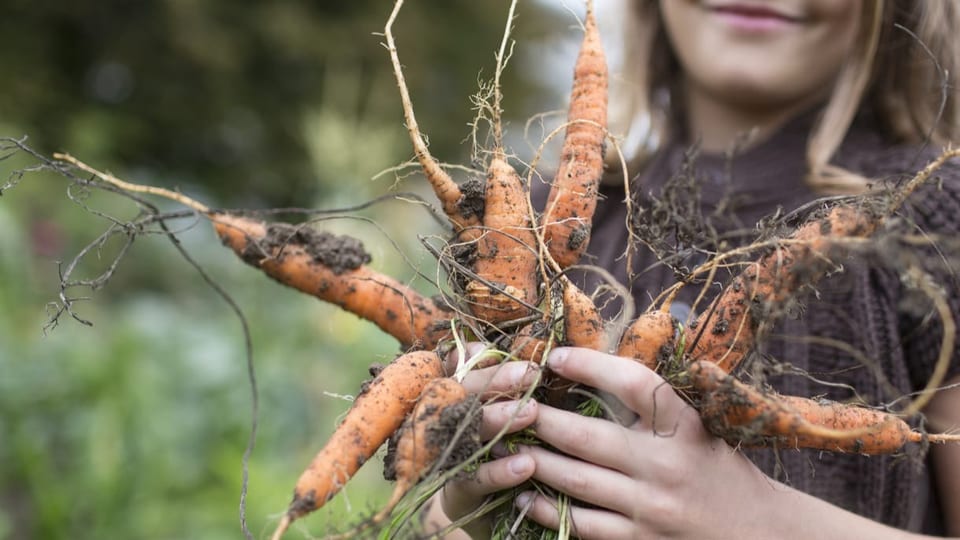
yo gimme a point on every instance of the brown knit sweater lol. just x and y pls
(864, 306)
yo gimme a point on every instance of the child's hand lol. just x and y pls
(662, 475)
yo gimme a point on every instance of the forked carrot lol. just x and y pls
(742, 414)
(567, 219)
(375, 414)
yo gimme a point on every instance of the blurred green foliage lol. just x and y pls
(135, 427)
(214, 92)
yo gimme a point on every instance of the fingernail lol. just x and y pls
(557, 357)
(523, 500)
(521, 464)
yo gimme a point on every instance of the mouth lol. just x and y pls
(753, 17)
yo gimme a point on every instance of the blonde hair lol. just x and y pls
(903, 68)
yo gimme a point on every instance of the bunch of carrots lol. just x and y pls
(510, 289)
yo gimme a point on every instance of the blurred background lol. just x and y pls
(135, 427)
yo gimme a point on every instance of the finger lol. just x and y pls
(507, 417)
(461, 355)
(594, 440)
(462, 496)
(640, 389)
(581, 480)
(508, 379)
(585, 523)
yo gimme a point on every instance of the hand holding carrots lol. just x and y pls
(661, 475)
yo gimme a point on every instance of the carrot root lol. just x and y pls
(334, 270)
(506, 263)
(421, 441)
(741, 414)
(573, 194)
(650, 339)
(375, 414)
(728, 329)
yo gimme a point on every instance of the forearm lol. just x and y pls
(786, 513)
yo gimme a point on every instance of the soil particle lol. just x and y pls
(721, 327)
(577, 237)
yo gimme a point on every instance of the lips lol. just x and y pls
(752, 19)
(755, 11)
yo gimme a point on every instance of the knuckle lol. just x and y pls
(578, 437)
(573, 483)
(637, 385)
(663, 512)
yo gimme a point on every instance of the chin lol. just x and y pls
(745, 88)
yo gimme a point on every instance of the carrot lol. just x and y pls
(729, 327)
(742, 414)
(505, 285)
(331, 268)
(375, 414)
(527, 345)
(334, 270)
(650, 339)
(581, 326)
(427, 432)
(573, 194)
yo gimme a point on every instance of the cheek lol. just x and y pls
(769, 70)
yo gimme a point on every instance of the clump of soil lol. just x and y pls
(472, 202)
(445, 433)
(339, 253)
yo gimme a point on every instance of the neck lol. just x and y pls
(720, 125)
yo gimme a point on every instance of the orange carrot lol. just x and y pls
(375, 414)
(334, 270)
(582, 326)
(573, 195)
(426, 434)
(727, 330)
(505, 286)
(742, 414)
(650, 339)
(527, 345)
